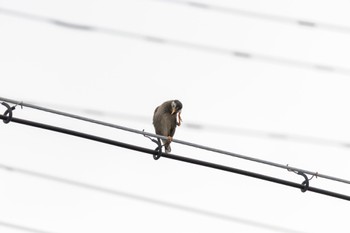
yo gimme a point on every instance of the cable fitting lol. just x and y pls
(8, 113)
(158, 151)
(306, 183)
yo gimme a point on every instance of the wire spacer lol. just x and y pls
(8, 113)
(158, 151)
(305, 184)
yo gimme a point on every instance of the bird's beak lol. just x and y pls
(173, 111)
(180, 119)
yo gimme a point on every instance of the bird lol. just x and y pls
(165, 121)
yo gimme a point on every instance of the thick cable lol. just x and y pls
(273, 135)
(21, 103)
(176, 157)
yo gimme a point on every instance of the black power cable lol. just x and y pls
(176, 157)
(215, 150)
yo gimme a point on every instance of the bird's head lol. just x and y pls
(176, 107)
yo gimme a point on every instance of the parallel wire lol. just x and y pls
(215, 150)
(20, 227)
(180, 158)
(179, 43)
(260, 16)
(142, 198)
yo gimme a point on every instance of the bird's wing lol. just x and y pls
(156, 117)
(164, 123)
(171, 125)
(158, 122)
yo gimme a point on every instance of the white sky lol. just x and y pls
(238, 101)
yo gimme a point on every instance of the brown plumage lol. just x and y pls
(165, 120)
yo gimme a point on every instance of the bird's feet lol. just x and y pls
(167, 144)
(167, 149)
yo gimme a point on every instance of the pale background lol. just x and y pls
(284, 97)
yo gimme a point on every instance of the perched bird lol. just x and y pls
(165, 120)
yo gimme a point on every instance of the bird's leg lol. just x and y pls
(167, 145)
(180, 119)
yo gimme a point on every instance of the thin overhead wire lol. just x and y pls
(261, 16)
(215, 150)
(142, 198)
(20, 227)
(304, 186)
(179, 43)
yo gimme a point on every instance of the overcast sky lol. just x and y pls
(267, 79)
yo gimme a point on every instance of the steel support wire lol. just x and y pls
(177, 157)
(215, 150)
